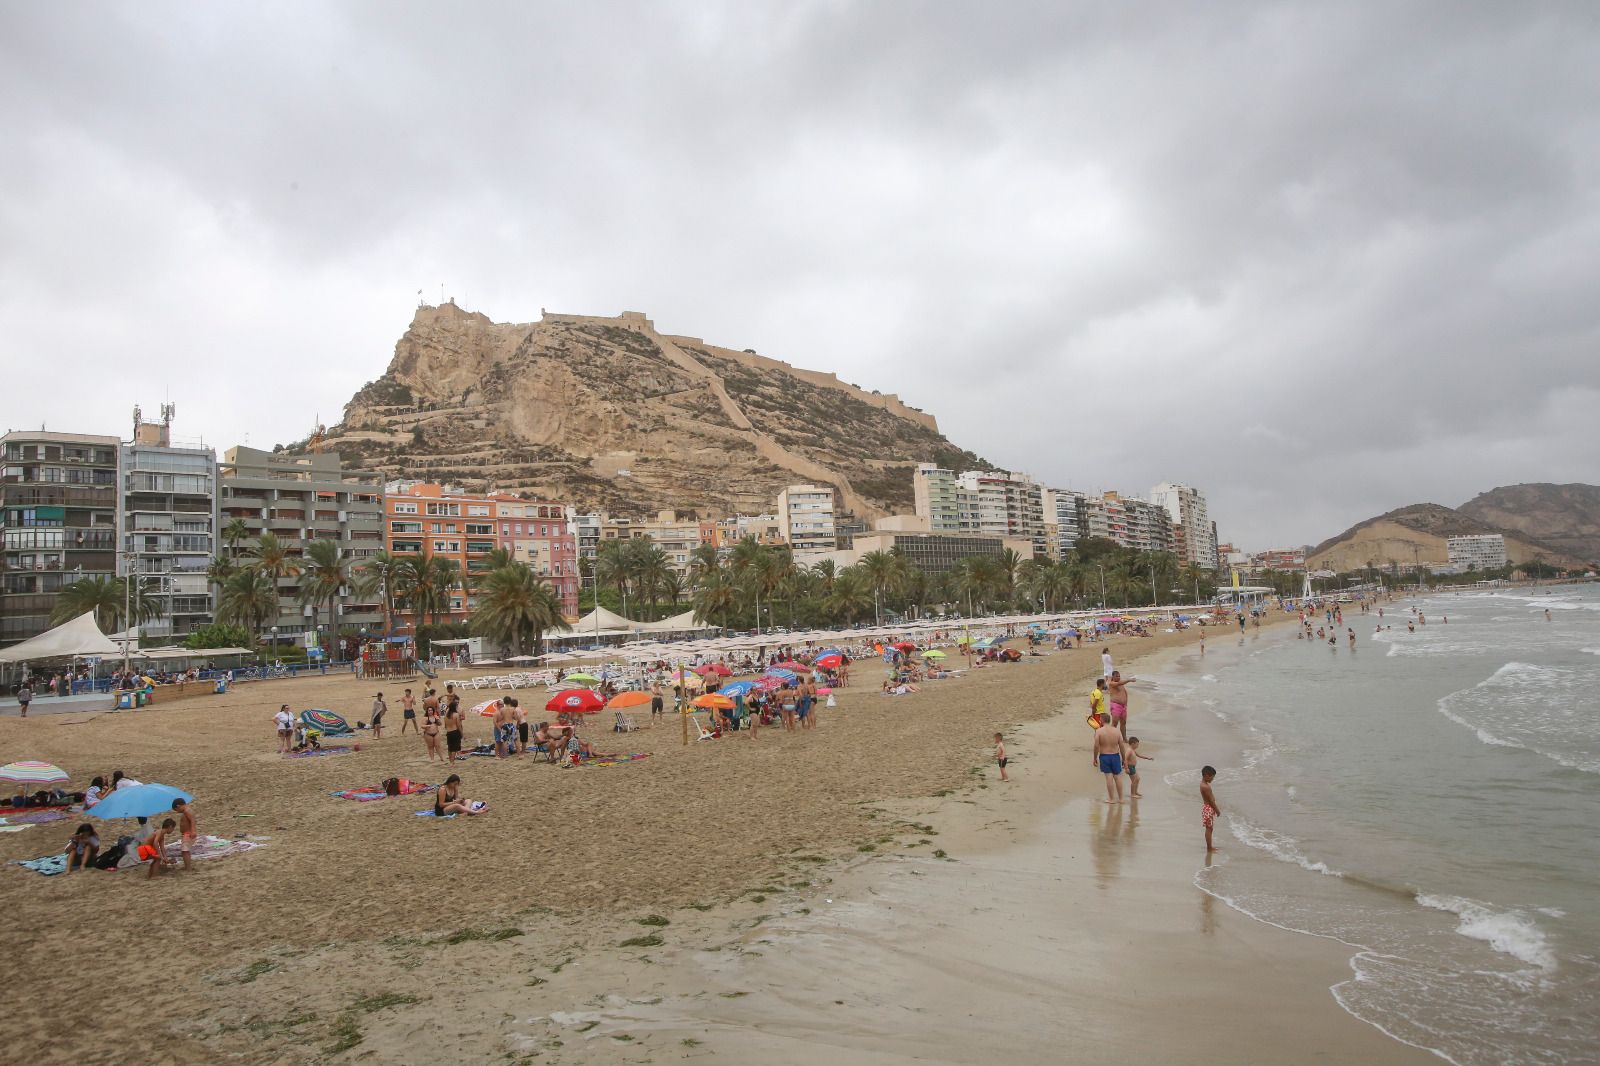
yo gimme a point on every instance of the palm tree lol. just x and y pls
(108, 598)
(715, 595)
(702, 559)
(851, 596)
(219, 570)
(975, 579)
(380, 573)
(614, 565)
(651, 568)
(1010, 563)
(825, 573)
(424, 583)
(234, 534)
(270, 556)
(498, 559)
(884, 574)
(516, 608)
(248, 599)
(325, 575)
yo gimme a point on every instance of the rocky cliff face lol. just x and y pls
(608, 414)
(1417, 534)
(1566, 517)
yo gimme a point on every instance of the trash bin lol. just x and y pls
(142, 698)
(125, 701)
(222, 685)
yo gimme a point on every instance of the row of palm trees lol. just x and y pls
(731, 592)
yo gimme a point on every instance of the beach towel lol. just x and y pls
(430, 814)
(12, 812)
(48, 865)
(614, 759)
(210, 847)
(35, 817)
(14, 828)
(310, 753)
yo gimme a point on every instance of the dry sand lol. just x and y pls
(362, 932)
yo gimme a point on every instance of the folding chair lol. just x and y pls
(705, 734)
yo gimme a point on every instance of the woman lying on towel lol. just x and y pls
(449, 800)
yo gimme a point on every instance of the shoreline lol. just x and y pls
(731, 843)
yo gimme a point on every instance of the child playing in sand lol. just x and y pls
(82, 848)
(1000, 755)
(1208, 803)
(1130, 764)
(155, 852)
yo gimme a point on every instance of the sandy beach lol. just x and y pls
(868, 891)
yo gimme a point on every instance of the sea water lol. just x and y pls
(1429, 798)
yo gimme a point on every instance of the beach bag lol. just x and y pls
(831, 701)
(391, 786)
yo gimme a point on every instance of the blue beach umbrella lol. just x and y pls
(139, 801)
(737, 688)
(778, 671)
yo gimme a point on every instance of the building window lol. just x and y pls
(405, 527)
(448, 510)
(405, 508)
(450, 546)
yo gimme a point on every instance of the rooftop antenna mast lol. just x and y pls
(138, 417)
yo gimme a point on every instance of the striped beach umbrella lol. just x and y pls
(33, 772)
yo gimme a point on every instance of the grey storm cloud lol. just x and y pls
(1320, 260)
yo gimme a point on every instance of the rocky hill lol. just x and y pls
(1416, 534)
(608, 414)
(1566, 517)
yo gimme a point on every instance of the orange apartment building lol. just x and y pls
(442, 520)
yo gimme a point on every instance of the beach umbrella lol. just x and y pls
(575, 701)
(780, 672)
(624, 700)
(905, 645)
(139, 801)
(829, 661)
(713, 701)
(32, 772)
(933, 654)
(790, 664)
(738, 688)
(583, 679)
(768, 684)
(688, 680)
(488, 708)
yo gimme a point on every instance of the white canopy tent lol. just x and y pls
(78, 637)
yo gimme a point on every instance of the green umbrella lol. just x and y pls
(583, 679)
(933, 655)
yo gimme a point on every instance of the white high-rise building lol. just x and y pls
(935, 491)
(806, 513)
(1477, 551)
(1193, 536)
(1008, 505)
(1068, 513)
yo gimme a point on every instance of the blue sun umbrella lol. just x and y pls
(778, 671)
(737, 688)
(139, 801)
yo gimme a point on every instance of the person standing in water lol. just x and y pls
(1108, 753)
(1209, 808)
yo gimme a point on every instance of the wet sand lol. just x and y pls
(1051, 927)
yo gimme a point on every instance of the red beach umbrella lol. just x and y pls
(575, 701)
(828, 662)
(905, 645)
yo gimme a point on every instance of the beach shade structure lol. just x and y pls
(325, 722)
(139, 801)
(33, 772)
(829, 662)
(575, 701)
(738, 688)
(1063, 632)
(488, 708)
(933, 654)
(623, 700)
(582, 679)
(713, 701)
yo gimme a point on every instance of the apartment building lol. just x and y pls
(938, 497)
(1193, 535)
(426, 518)
(536, 532)
(585, 529)
(1066, 520)
(300, 499)
(1006, 505)
(933, 553)
(59, 502)
(765, 528)
(169, 525)
(1478, 551)
(807, 516)
(1279, 559)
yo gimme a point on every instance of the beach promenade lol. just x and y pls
(836, 892)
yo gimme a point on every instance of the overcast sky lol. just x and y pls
(1318, 260)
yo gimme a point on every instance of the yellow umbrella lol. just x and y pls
(713, 702)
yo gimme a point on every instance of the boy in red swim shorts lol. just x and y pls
(1208, 803)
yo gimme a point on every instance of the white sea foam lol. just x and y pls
(1509, 932)
(1280, 846)
(1209, 677)
(1591, 651)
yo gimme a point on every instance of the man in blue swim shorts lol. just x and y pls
(1108, 753)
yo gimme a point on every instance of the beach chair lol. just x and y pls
(625, 723)
(705, 734)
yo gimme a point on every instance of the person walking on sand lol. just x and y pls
(378, 709)
(1117, 689)
(657, 702)
(25, 693)
(1108, 754)
(1208, 803)
(1130, 765)
(452, 729)
(1105, 662)
(430, 729)
(285, 723)
(1000, 755)
(408, 713)
(187, 833)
